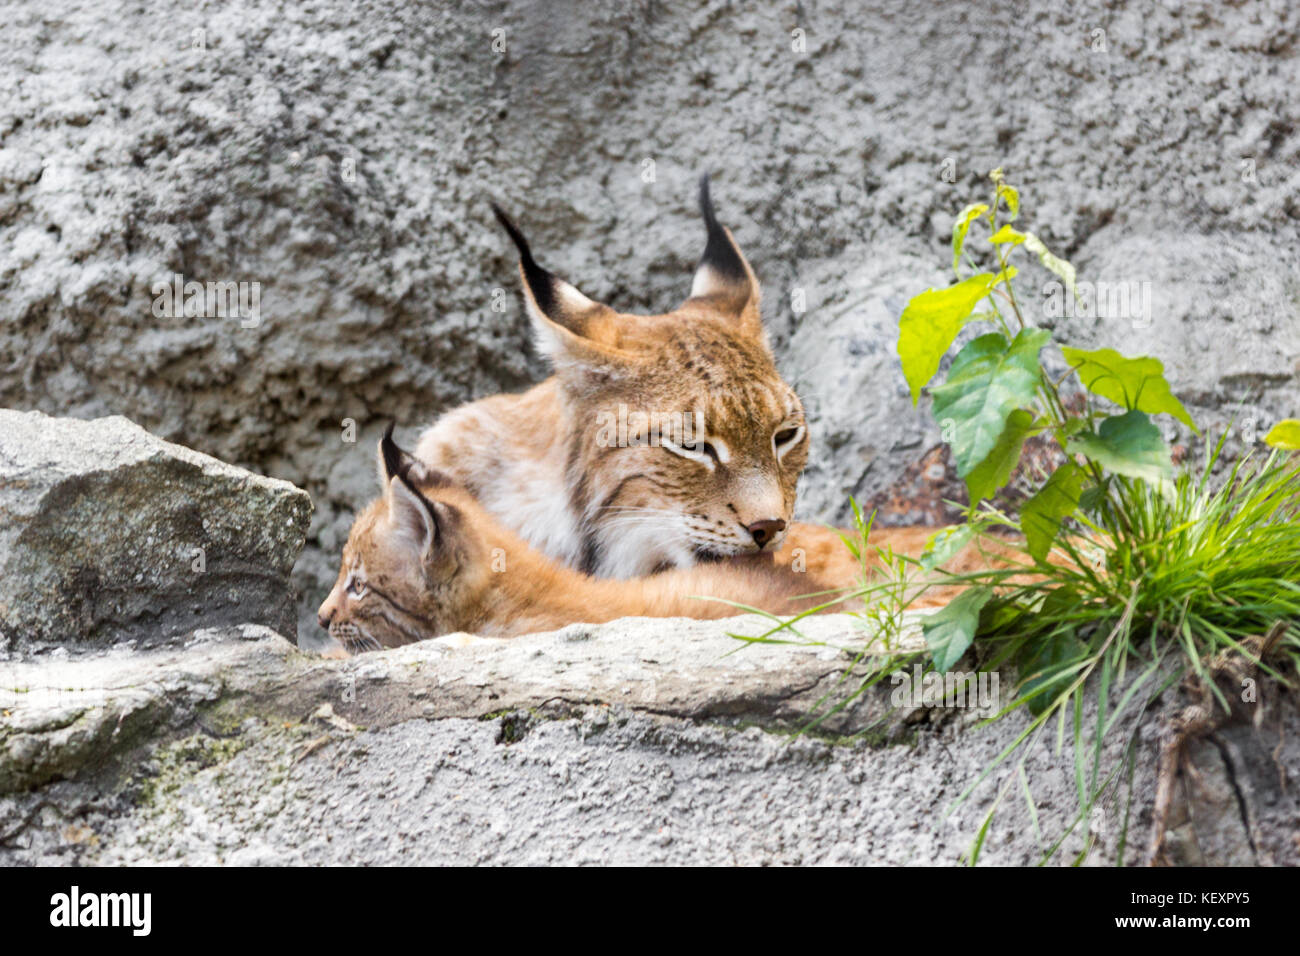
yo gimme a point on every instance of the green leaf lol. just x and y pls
(1058, 267)
(944, 545)
(1093, 497)
(1126, 444)
(1285, 435)
(960, 226)
(1042, 663)
(995, 470)
(1071, 427)
(1041, 515)
(989, 379)
(949, 632)
(929, 324)
(1133, 383)
(1007, 235)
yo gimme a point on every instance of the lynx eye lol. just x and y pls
(710, 453)
(356, 587)
(786, 438)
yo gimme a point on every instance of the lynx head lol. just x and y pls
(684, 442)
(415, 564)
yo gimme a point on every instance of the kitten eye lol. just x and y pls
(786, 435)
(356, 587)
(709, 450)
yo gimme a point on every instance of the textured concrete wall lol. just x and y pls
(342, 154)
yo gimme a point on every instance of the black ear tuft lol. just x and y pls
(392, 456)
(719, 251)
(394, 462)
(397, 463)
(540, 282)
(512, 230)
(706, 205)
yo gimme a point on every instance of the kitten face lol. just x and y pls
(414, 567)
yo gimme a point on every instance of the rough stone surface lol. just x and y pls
(64, 715)
(342, 155)
(109, 534)
(635, 742)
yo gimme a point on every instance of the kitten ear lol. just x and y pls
(571, 328)
(723, 280)
(395, 462)
(413, 518)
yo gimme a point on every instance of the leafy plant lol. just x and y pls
(1120, 564)
(997, 393)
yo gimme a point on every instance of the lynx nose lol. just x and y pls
(326, 613)
(329, 607)
(764, 531)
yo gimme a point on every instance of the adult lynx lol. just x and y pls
(661, 441)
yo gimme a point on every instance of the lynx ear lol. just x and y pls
(412, 517)
(394, 462)
(417, 522)
(723, 279)
(571, 328)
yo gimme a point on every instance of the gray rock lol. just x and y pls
(638, 741)
(110, 534)
(66, 714)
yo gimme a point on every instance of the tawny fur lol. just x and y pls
(536, 462)
(475, 575)
(822, 552)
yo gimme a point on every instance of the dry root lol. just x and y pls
(1228, 670)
